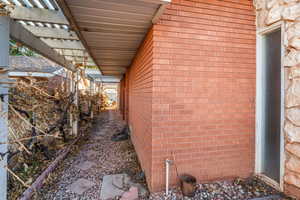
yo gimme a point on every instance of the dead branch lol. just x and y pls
(40, 180)
(19, 142)
(28, 138)
(26, 121)
(18, 178)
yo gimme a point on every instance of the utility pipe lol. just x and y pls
(168, 162)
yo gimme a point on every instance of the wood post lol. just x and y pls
(92, 92)
(75, 78)
(4, 64)
(74, 90)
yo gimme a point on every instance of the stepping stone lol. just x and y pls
(103, 132)
(113, 185)
(89, 146)
(90, 154)
(80, 186)
(120, 180)
(132, 194)
(85, 165)
(271, 197)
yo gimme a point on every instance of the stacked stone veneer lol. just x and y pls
(287, 11)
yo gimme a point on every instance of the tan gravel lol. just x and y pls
(108, 157)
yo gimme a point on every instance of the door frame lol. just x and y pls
(260, 33)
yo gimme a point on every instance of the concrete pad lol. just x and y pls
(85, 165)
(80, 186)
(113, 185)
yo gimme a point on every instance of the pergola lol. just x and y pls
(99, 34)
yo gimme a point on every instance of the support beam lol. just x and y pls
(74, 89)
(159, 13)
(157, 1)
(46, 32)
(63, 44)
(30, 74)
(80, 59)
(38, 15)
(20, 34)
(71, 52)
(92, 71)
(4, 63)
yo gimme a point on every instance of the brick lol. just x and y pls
(190, 91)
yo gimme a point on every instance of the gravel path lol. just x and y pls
(95, 157)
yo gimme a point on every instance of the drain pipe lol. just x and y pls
(168, 163)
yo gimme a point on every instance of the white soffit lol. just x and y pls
(113, 29)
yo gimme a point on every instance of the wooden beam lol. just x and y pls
(72, 52)
(159, 13)
(30, 74)
(85, 63)
(92, 71)
(38, 15)
(46, 32)
(157, 1)
(22, 35)
(67, 12)
(80, 59)
(63, 44)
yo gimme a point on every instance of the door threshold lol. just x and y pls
(269, 181)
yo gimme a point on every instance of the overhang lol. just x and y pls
(112, 30)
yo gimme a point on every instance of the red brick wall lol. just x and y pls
(192, 92)
(291, 190)
(139, 80)
(204, 90)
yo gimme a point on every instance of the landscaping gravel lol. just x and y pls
(98, 155)
(108, 157)
(238, 189)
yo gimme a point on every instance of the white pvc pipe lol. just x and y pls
(167, 175)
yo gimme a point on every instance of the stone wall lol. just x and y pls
(287, 11)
